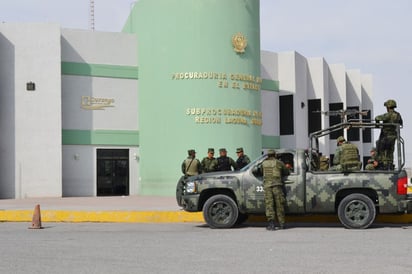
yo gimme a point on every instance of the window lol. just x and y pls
(314, 115)
(333, 120)
(286, 124)
(367, 132)
(353, 133)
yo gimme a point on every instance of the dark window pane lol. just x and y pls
(286, 115)
(353, 133)
(333, 120)
(314, 115)
(367, 132)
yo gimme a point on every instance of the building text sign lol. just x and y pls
(94, 103)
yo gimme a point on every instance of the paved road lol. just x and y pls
(195, 248)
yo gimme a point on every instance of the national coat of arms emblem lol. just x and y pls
(239, 42)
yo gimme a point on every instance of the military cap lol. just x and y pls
(390, 103)
(340, 139)
(191, 151)
(222, 150)
(211, 150)
(240, 149)
(271, 152)
(373, 149)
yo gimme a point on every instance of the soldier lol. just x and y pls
(191, 166)
(225, 163)
(209, 163)
(386, 142)
(242, 160)
(346, 156)
(273, 170)
(323, 162)
(373, 161)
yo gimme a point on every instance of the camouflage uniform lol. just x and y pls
(275, 200)
(209, 164)
(243, 160)
(191, 166)
(373, 161)
(323, 163)
(225, 163)
(387, 138)
(346, 157)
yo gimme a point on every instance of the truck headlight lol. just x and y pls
(190, 187)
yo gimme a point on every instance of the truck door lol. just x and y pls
(254, 200)
(254, 192)
(294, 183)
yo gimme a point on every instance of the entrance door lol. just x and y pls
(112, 172)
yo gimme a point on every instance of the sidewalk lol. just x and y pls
(143, 209)
(132, 209)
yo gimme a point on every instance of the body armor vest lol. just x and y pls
(193, 168)
(272, 172)
(223, 163)
(349, 156)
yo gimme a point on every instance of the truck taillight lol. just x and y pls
(402, 185)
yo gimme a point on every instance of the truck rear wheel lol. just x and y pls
(356, 211)
(220, 211)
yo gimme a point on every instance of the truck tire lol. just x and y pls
(220, 211)
(356, 211)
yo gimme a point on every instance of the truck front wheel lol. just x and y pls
(356, 211)
(220, 211)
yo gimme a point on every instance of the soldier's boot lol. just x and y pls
(271, 225)
(281, 227)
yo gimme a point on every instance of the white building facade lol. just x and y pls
(69, 110)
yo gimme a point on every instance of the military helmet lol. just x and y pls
(340, 139)
(191, 152)
(271, 152)
(390, 103)
(211, 150)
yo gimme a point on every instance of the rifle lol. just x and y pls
(343, 113)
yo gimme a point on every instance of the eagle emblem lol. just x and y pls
(239, 42)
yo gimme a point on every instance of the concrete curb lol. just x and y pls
(163, 217)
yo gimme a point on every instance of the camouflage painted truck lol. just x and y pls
(227, 198)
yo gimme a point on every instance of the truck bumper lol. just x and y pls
(190, 202)
(405, 206)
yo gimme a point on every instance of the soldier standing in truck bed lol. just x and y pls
(386, 142)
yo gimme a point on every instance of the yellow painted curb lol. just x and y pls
(163, 217)
(103, 216)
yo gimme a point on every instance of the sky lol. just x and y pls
(373, 36)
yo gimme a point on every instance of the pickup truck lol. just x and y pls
(227, 198)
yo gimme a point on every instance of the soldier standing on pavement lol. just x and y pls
(209, 163)
(242, 159)
(386, 142)
(225, 163)
(273, 170)
(191, 166)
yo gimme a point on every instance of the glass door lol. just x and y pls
(112, 172)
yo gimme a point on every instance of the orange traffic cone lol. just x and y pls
(36, 221)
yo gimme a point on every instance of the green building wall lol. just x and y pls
(195, 90)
